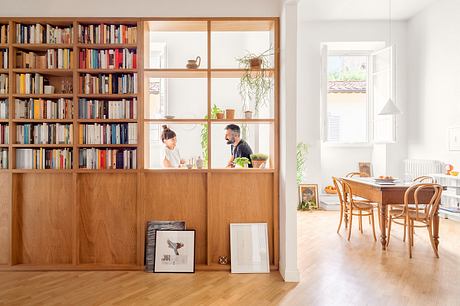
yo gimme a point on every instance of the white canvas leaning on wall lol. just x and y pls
(249, 248)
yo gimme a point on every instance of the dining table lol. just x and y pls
(387, 194)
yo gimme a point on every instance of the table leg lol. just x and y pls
(383, 226)
(436, 229)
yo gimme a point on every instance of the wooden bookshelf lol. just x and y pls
(94, 219)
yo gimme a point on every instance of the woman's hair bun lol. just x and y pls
(165, 127)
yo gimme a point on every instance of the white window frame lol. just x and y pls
(324, 92)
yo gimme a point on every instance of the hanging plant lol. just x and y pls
(256, 83)
(204, 132)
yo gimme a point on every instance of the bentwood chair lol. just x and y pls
(396, 210)
(418, 214)
(351, 207)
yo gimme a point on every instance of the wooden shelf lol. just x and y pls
(3, 145)
(107, 120)
(41, 171)
(52, 72)
(4, 120)
(177, 25)
(108, 96)
(44, 96)
(98, 171)
(176, 73)
(253, 24)
(4, 71)
(3, 46)
(258, 120)
(45, 146)
(42, 120)
(235, 73)
(107, 146)
(111, 71)
(176, 120)
(175, 170)
(42, 47)
(3, 96)
(107, 46)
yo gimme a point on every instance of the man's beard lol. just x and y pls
(230, 141)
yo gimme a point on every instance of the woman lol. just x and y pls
(171, 156)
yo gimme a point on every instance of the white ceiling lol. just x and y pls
(360, 9)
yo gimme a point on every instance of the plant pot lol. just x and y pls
(258, 163)
(220, 115)
(230, 114)
(248, 114)
(255, 63)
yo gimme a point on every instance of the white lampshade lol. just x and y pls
(390, 109)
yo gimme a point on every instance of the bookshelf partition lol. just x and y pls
(77, 121)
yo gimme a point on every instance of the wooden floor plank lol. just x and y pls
(333, 271)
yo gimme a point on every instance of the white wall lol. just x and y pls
(143, 8)
(434, 82)
(323, 161)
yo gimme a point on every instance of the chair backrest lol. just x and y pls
(428, 208)
(347, 194)
(339, 187)
(353, 174)
(425, 179)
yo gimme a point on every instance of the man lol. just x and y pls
(239, 147)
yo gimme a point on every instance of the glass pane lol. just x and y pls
(259, 136)
(235, 39)
(347, 99)
(191, 141)
(167, 40)
(228, 92)
(183, 98)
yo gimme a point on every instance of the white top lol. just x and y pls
(173, 156)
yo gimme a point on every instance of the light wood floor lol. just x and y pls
(334, 272)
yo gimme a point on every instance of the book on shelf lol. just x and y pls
(49, 59)
(3, 83)
(121, 133)
(92, 158)
(4, 109)
(108, 59)
(3, 58)
(4, 32)
(45, 133)
(107, 109)
(4, 134)
(3, 158)
(43, 109)
(43, 34)
(108, 83)
(44, 158)
(107, 34)
(30, 83)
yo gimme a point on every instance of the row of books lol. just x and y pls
(4, 158)
(4, 134)
(4, 109)
(107, 34)
(123, 133)
(107, 159)
(43, 109)
(108, 59)
(3, 84)
(108, 83)
(104, 109)
(43, 34)
(44, 133)
(30, 83)
(4, 32)
(44, 158)
(3, 58)
(51, 59)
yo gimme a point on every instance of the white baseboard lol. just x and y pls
(290, 276)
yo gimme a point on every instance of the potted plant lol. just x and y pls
(258, 160)
(230, 113)
(248, 114)
(302, 150)
(256, 82)
(241, 162)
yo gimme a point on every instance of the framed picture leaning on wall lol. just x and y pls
(308, 197)
(175, 251)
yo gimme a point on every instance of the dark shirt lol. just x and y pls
(242, 149)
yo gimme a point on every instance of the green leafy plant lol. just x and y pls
(256, 84)
(204, 132)
(259, 156)
(242, 161)
(306, 205)
(302, 150)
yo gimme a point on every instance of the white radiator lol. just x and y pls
(418, 167)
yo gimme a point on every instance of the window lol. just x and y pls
(347, 98)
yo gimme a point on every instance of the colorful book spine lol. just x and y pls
(4, 134)
(44, 158)
(4, 32)
(44, 133)
(43, 34)
(124, 133)
(3, 58)
(50, 59)
(4, 88)
(107, 34)
(108, 83)
(29, 83)
(108, 59)
(4, 109)
(3, 158)
(104, 109)
(43, 109)
(93, 158)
